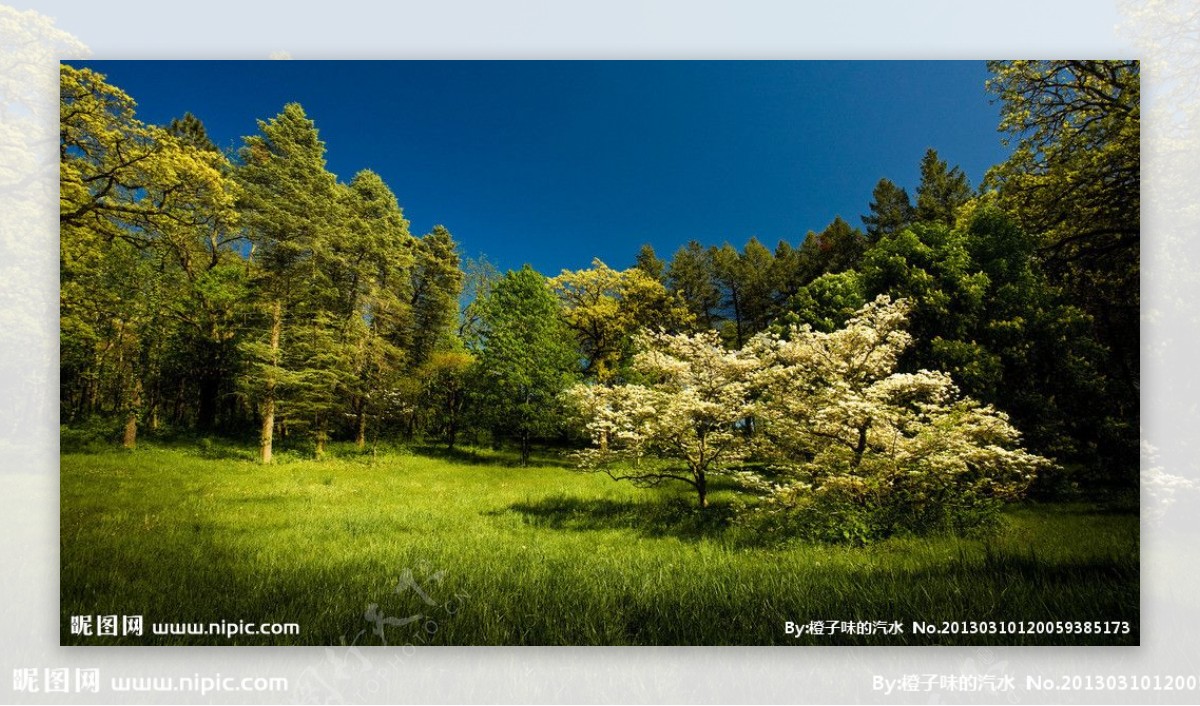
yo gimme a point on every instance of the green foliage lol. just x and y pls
(604, 307)
(984, 311)
(1074, 181)
(649, 263)
(145, 217)
(1074, 175)
(371, 261)
(942, 191)
(202, 294)
(929, 265)
(891, 210)
(836, 249)
(691, 276)
(479, 276)
(446, 377)
(826, 303)
(527, 360)
(437, 283)
(746, 282)
(288, 200)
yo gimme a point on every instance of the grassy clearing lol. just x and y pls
(539, 556)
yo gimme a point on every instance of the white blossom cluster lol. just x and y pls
(693, 409)
(823, 412)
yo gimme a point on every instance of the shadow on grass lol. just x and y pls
(99, 435)
(470, 456)
(675, 517)
(211, 448)
(1030, 566)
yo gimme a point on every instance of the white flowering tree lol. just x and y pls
(689, 414)
(838, 434)
(843, 429)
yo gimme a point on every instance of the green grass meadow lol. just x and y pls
(489, 553)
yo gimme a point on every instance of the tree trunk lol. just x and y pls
(360, 426)
(321, 434)
(524, 449)
(268, 409)
(861, 446)
(698, 466)
(268, 429)
(129, 439)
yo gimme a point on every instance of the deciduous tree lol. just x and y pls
(604, 307)
(879, 450)
(689, 413)
(528, 358)
(1074, 182)
(137, 205)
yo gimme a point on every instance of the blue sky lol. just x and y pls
(554, 163)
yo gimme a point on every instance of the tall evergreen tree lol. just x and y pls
(747, 284)
(287, 204)
(837, 248)
(759, 285)
(942, 191)
(729, 276)
(436, 285)
(691, 276)
(649, 262)
(190, 130)
(891, 210)
(374, 258)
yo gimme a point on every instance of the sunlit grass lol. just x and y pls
(539, 555)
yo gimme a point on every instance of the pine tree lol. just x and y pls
(691, 276)
(437, 283)
(287, 205)
(942, 190)
(649, 262)
(374, 256)
(891, 210)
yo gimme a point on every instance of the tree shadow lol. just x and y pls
(674, 517)
(215, 448)
(471, 456)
